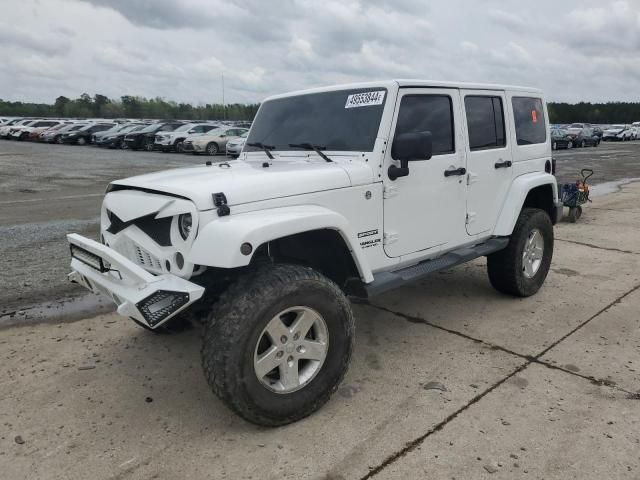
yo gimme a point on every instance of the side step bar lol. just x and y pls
(389, 280)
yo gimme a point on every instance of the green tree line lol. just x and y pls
(128, 106)
(612, 112)
(100, 106)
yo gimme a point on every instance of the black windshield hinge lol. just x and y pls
(220, 201)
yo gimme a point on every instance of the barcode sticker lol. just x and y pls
(365, 99)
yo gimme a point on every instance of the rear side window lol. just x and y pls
(529, 120)
(428, 113)
(485, 119)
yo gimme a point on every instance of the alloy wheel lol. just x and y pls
(291, 349)
(532, 253)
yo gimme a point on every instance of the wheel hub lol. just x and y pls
(532, 253)
(291, 349)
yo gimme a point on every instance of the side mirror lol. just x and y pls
(409, 147)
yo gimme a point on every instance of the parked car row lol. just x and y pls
(580, 135)
(196, 137)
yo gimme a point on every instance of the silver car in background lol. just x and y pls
(234, 147)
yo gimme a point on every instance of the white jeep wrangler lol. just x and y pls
(342, 191)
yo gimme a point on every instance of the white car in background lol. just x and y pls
(618, 132)
(234, 147)
(173, 141)
(23, 133)
(5, 130)
(635, 127)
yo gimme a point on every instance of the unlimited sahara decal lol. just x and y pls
(369, 243)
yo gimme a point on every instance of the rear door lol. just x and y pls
(489, 159)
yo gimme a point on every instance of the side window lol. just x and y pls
(485, 120)
(529, 120)
(428, 113)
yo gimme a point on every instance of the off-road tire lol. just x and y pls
(505, 267)
(236, 323)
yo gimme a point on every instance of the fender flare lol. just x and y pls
(218, 243)
(520, 188)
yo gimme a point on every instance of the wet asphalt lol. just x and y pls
(47, 191)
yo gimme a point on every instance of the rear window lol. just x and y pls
(529, 120)
(485, 119)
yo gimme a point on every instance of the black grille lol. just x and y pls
(158, 229)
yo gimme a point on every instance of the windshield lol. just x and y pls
(216, 131)
(76, 127)
(151, 128)
(576, 125)
(344, 120)
(617, 127)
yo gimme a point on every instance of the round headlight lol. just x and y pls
(184, 225)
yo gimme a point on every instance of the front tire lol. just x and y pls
(522, 267)
(278, 343)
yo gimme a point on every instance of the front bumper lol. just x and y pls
(149, 299)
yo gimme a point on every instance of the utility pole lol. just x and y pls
(224, 107)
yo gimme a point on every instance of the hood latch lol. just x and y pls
(220, 201)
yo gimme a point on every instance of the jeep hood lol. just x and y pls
(248, 181)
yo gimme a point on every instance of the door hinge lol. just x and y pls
(389, 191)
(389, 238)
(472, 178)
(471, 216)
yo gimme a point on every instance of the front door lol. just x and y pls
(489, 159)
(426, 209)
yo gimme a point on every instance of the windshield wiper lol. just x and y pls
(265, 148)
(316, 148)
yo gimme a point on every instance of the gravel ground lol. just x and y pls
(47, 191)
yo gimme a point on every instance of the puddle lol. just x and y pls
(610, 187)
(63, 310)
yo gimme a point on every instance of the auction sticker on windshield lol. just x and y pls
(365, 99)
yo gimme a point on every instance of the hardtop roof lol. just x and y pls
(408, 83)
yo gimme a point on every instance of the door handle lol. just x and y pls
(455, 171)
(505, 164)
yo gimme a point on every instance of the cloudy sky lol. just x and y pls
(178, 49)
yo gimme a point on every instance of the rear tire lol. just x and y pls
(511, 270)
(241, 333)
